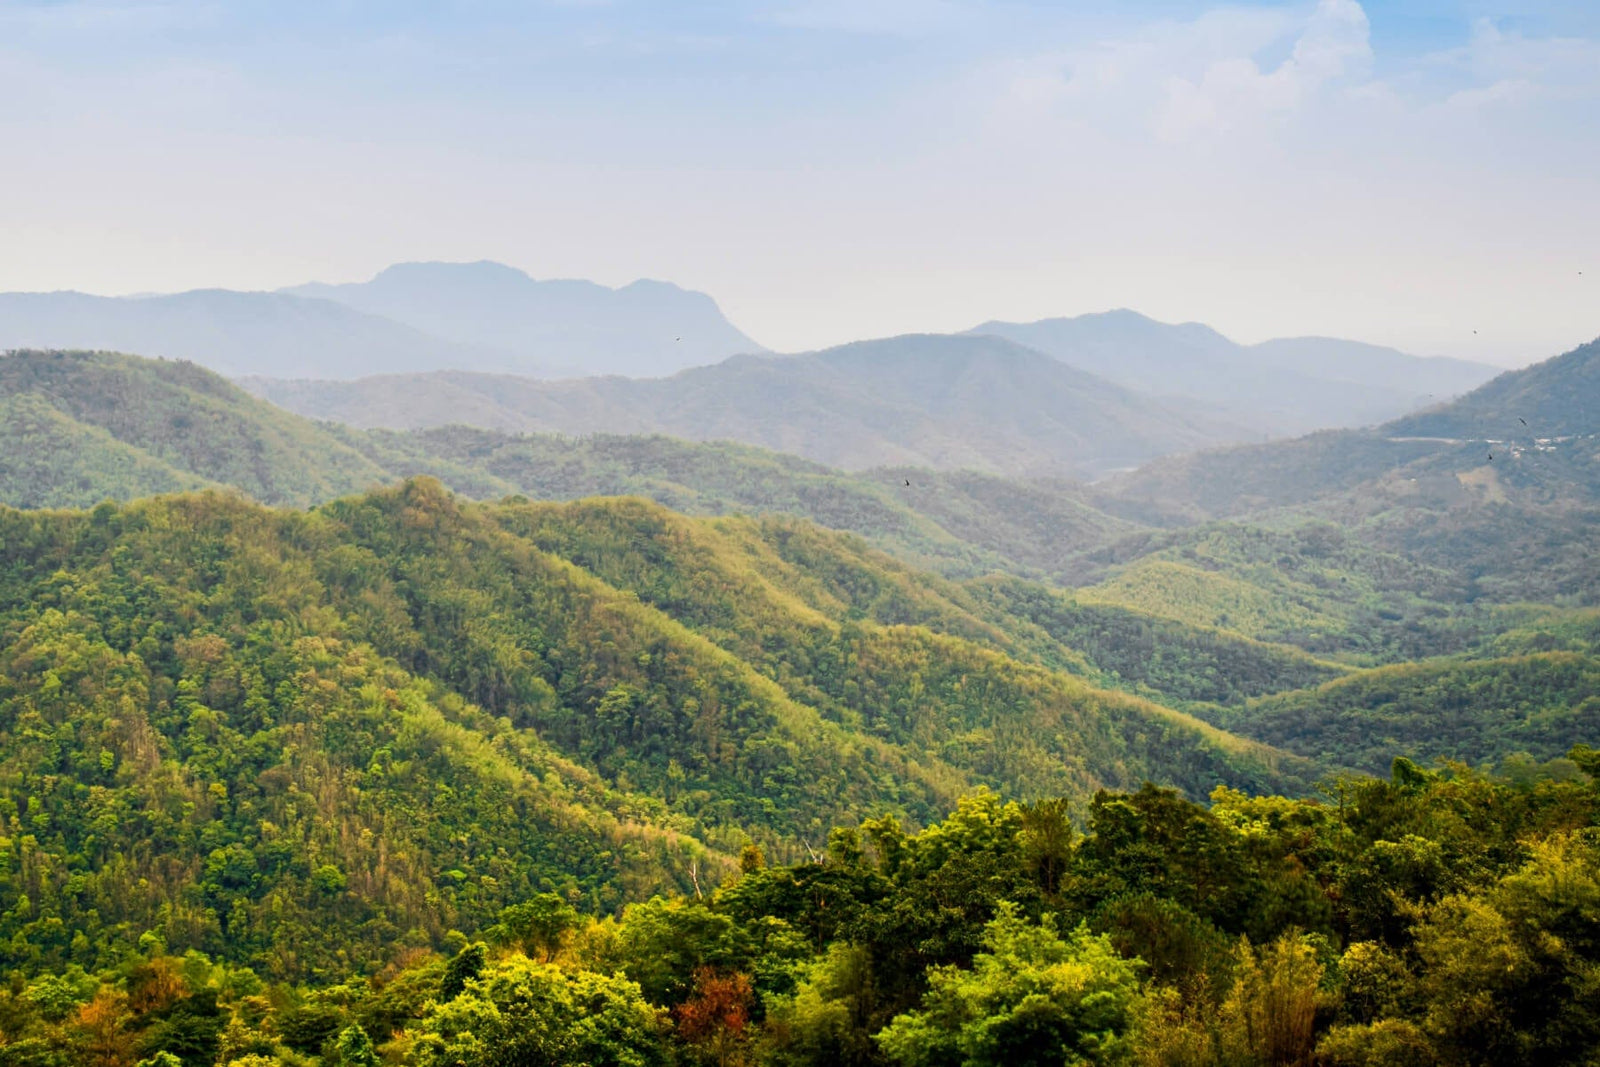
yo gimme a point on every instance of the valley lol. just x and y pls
(282, 697)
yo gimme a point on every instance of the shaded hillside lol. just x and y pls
(84, 427)
(1475, 712)
(944, 402)
(959, 522)
(232, 333)
(1554, 399)
(1551, 460)
(1287, 386)
(1156, 654)
(645, 329)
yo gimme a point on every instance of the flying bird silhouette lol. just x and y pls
(1522, 420)
(908, 481)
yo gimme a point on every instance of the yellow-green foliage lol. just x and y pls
(1207, 598)
(1472, 710)
(244, 728)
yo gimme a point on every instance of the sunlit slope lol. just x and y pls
(654, 683)
(170, 422)
(179, 705)
(49, 459)
(1312, 584)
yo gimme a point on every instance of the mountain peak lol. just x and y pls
(522, 324)
(480, 272)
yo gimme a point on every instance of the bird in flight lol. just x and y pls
(1522, 420)
(1491, 455)
(908, 481)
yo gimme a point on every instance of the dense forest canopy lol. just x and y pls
(660, 752)
(1427, 918)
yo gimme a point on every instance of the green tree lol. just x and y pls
(463, 967)
(354, 1049)
(537, 927)
(519, 1013)
(1031, 999)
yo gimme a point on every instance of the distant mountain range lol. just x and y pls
(488, 318)
(412, 317)
(978, 402)
(231, 333)
(1282, 387)
(646, 329)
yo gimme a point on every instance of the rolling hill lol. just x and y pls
(1280, 387)
(1217, 619)
(1472, 451)
(85, 427)
(1474, 711)
(979, 403)
(223, 716)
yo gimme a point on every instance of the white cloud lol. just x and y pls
(1209, 75)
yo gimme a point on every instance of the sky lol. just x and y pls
(1424, 174)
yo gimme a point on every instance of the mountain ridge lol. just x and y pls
(1284, 386)
(418, 318)
(932, 400)
(646, 328)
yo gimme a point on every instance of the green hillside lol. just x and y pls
(389, 717)
(1558, 398)
(1476, 711)
(93, 426)
(1529, 437)
(925, 400)
(409, 779)
(176, 415)
(52, 460)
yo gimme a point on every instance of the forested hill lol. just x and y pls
(84, 427)
(1541, 425)
(1557, 398)
(80, 427)
(981, 403)
(302, 737)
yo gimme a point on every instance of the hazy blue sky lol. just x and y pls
(832, 169)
